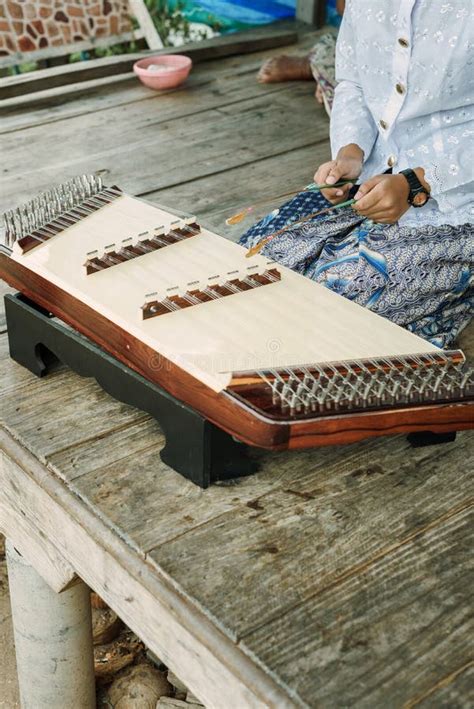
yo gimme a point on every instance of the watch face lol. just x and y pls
(420, 199)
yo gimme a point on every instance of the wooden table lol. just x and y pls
(333, 577)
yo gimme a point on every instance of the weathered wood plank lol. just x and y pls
(113, 450)
(4, 290)
(171, 153)
(15, 112)
(205, 86)
(210, 664)
(224, 46)
(242, 186)
(12, 376)
(17, 527)
(386, 636)
(202, 92)
(55, 413)
(348, 507)
(122, 89)
(453, 691)
(169, 505)
(466, 341)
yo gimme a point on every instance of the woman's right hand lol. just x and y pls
(347, 166)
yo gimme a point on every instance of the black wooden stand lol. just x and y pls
(195, 447)
(419, 439)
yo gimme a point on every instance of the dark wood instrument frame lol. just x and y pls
(223, 409)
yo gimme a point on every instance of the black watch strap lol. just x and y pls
(416, 196)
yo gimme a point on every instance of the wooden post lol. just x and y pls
(53, 639)
(311, 11)
(147, 26)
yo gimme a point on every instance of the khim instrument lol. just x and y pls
(236, 348)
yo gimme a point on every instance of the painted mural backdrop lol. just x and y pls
(232, 15)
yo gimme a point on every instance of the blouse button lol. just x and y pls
(400, 88)
(403, 42)
(392, 161)
(383, 124)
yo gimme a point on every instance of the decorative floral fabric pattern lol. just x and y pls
(323, 65)
(420, 278)
(406, 82)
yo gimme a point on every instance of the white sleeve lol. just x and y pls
(351, 119)
(451, 166)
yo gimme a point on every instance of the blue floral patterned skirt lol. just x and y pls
(419, 277)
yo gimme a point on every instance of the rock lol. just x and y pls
(137, 687)
(97, 602)
(106, 625)
(113, 657)
(173, 703)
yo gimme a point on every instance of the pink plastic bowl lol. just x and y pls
(173, 70)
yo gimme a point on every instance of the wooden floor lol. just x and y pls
(222, 140)
(338, 574)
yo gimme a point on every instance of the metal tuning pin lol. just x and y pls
(149, 307)
(342, 387)
(215, 287)
(54, 211)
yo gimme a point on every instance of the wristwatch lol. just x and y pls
(418, 195)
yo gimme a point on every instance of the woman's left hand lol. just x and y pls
(383, 198)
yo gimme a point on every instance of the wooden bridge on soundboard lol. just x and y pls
(333, 577)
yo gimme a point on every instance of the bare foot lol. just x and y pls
(285, 68)
(319, 94)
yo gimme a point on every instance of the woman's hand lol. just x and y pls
(347, 166)
(383, 198)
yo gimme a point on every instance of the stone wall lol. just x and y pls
(32, 25)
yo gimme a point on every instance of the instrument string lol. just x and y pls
(312, 187)
(398, 379)
(127, 248)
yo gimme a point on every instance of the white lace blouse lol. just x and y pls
(406, 97)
